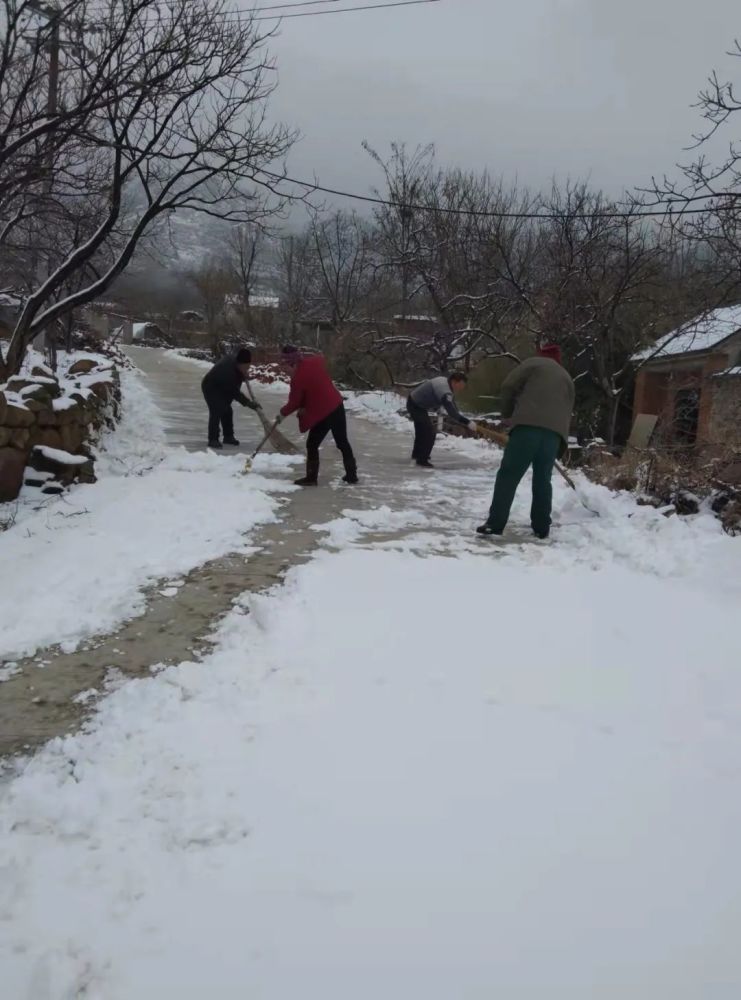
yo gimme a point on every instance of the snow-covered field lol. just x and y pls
(510, 770)
(154, 512)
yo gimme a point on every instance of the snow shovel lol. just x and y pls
(498, 438)
(279, 441)
(271, 430)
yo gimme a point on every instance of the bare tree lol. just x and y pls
(179, 119)
(705, 201)
(297, 278)
(344, 248)
(441, 236)
(243, 249)
(215, 284)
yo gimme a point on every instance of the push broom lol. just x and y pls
(279, 441)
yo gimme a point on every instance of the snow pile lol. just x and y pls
(152, 513)
(381, 407)
(356, 524)
(61, 457)
(410, 797)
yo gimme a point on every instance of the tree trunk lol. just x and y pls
(19, 344)
(614, 409)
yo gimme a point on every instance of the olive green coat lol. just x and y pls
(539, 393)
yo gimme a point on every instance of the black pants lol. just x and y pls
(336, 422)
(424, 431)
(219, 413)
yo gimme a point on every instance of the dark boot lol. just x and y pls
(232, 441)
(312, 474)
(215, 443)
(486, 529)
(351, 468)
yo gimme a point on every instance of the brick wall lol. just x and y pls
(725, 414)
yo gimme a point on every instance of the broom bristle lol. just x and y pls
(279, 442)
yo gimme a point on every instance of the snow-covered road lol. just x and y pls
(427, 765)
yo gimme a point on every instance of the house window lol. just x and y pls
(686, 415)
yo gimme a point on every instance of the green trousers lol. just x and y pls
(527, 446)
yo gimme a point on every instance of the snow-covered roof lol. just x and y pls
(265, 301)
(700, 334)
(415, 319)
(736, 371)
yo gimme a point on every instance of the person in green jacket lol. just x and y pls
(538, 401)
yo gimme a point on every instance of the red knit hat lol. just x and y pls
(552, 351)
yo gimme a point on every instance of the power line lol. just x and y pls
(235, 16)
(244, 16)
(307, 3)
(346, 10)
(476, 213)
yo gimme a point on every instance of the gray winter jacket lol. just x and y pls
(539, 393)
(433, 394)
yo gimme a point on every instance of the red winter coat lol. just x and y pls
(313, 392)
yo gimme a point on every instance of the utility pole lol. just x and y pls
(52, 105)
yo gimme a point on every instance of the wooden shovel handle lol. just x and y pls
(498, 438)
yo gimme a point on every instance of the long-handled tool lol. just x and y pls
(498, 438)
(261, 445)
(279, 441)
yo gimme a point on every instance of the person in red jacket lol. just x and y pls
(320, 410)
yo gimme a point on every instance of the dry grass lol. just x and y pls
(683, 480)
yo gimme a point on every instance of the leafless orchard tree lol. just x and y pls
(243, 249)
(297, 279)
(215, 283)
(440, 236)
(172, 102)
(706, 198)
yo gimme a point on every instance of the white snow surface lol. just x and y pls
(508, 770)
(400, 777)
(699, 334)
(60, 456)
(93, 552)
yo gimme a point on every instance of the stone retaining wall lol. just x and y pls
(49, 422)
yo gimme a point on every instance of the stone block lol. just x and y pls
(102, 390)
(5, 433)
(34, 388)
(20, 437)
(12, 465)
(66, 467)
(16, 416)
(50, 437)
(72, 437)
(3, 407)
(81, 367)
(47, 418)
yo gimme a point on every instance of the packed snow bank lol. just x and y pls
(400, 777)
(80, 566)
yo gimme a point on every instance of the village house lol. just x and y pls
(691, 383)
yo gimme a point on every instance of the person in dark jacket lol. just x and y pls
(537, 400)
(320, 410)
(432, 395)
(222, 386)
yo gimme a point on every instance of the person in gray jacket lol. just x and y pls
(538, 400)
(432, 395)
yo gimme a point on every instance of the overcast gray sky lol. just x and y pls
(527, 88)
